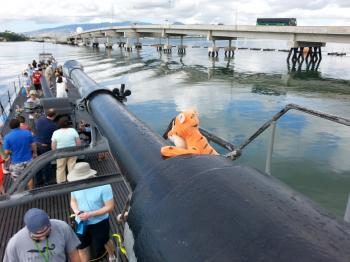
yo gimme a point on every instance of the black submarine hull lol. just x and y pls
(203, 207)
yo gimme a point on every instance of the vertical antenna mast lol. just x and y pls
(112, 17)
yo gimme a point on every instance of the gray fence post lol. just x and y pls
(9, 97)
(270, 149)
(347, 211)
(19, 84)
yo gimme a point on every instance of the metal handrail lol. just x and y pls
(19, 198)
(5, 106)
(274, 119)
(272, 122)
(235, 151)
(12, 93)
(36, 164)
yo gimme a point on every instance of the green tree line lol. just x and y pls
(11, 36)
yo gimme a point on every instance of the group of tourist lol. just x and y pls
(42, 238)
(53, 74)
(48, 239)
(26, 140)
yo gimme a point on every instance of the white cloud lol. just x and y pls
(330, 12)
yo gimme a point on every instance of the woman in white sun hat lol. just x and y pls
(91, 206)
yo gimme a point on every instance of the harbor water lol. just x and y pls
(234, 97)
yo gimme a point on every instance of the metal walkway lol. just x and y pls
(58, 206)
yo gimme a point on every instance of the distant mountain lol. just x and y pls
(178, 23)
(62, 31)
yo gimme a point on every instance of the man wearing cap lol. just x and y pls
(91, 207)
(42, 239)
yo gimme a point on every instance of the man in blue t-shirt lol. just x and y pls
(19, 145)
(45, 126)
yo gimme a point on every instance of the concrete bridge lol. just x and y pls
(305, 42)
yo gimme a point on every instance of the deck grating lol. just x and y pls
(57, 207)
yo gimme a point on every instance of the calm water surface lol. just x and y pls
(234, 98)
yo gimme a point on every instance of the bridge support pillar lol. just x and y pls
(305, 51)
(213, 51)
(128, 46)
(95, 43)
(168, 47)
(181, 49)
(121, 44)
(86, 41)
(108, 43)
(159, 47)
(230, 50)
(138, 45)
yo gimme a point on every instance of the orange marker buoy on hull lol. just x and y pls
(305, 51)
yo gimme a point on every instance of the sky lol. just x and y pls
(24, 15)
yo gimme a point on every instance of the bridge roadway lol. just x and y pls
(305, 42)
(293, 34)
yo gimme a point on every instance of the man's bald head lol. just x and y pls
(51, 113)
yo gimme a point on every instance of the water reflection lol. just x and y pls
(228, 60)
(266, 90)
(298, 66)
